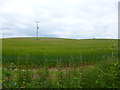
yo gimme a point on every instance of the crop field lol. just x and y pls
(60, 63)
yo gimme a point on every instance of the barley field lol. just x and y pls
(60, 63)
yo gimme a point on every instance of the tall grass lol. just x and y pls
(105, 74)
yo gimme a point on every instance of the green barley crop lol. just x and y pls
(60, 63)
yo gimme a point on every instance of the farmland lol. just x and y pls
(60, 63)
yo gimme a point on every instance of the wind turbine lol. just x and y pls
(37, 28)
(3, 33)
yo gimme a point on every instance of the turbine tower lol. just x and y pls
(3, 34)
(37, 28)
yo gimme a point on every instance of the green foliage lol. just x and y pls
(60, 63)
(24, 78)
(105, 74)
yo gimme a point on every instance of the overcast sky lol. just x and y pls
(59, 18)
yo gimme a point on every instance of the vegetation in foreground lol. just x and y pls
(60, 63)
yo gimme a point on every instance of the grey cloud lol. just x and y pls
(78, 19)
